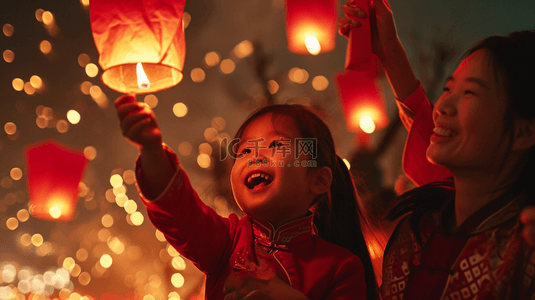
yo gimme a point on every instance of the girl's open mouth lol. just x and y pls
(258, 180)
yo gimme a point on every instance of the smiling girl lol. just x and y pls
(301, 225)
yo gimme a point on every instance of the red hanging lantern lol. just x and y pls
(54, 173)
(311, 25)
(141, 43)
(362, 103)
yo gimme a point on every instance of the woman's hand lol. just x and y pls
(245, 286)
(384, 32)
(138, 122)
(527, 217)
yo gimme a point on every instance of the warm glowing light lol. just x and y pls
(9, 56)
(273, 86)
(10, 128)
(12, 223)
(73, 116)
(178, 263)
(366, 124)
(203, 160)
(129, 177)
(197, 75)
(130, 206)
(85, 86)
(184, 148)
(106, 261)
(83, 60)
(348, 165)
(211, 58)
(23, 215)
(227, 66)
(218, 123)
(137, 218)
(84, 278)
(8, 29)
(142, 79)
(103, 234)
(62, 126)
(90, 152)
(36, 81)
(16, 173)
(95, 91)
(121, 200)
(28, 88)
(243, 49)
(116, 180)
(313, 45)
(298, 75)
(177, 280)
(107, 220)
(91, 70)
(320, 83)
(39, 14)
(37, 240)
(18, 84)
(45, 47)
(186, 19)
(180, 109)
(205, 148)
(151, 100)
(159, 236)
(48, 18)
(82, 254)
(26, 240)
(172, 251)
(55, 212)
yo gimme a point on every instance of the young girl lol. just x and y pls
(291, 186)
(463, 240)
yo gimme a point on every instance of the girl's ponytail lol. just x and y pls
(338, 220)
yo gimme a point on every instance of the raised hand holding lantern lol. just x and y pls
(54, 174)
(141, 43)
(311, 25)
(362, 102)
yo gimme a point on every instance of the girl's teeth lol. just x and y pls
(444, 132)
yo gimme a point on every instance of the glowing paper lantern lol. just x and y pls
(135, 36)
(359, 56)
(311, 25)
(54, 173)
(362, 103)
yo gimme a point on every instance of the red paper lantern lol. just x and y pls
(362, 103)
(54, 173)
(131, 35)
(311, 25)
(359, 56)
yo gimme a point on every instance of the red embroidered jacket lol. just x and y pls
(219, 246)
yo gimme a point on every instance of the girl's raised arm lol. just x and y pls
(138, 124)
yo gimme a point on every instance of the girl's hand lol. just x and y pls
(384, 32)
(527, 217)
(138, 122)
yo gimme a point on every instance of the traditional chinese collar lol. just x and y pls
(294, 231)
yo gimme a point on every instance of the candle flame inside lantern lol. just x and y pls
(55, 212)
(367, 125)
(142, 79)
(313, 45)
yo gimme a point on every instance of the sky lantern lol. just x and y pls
(311, 25)
(362, 102)
(54, 173)
(141, 43)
